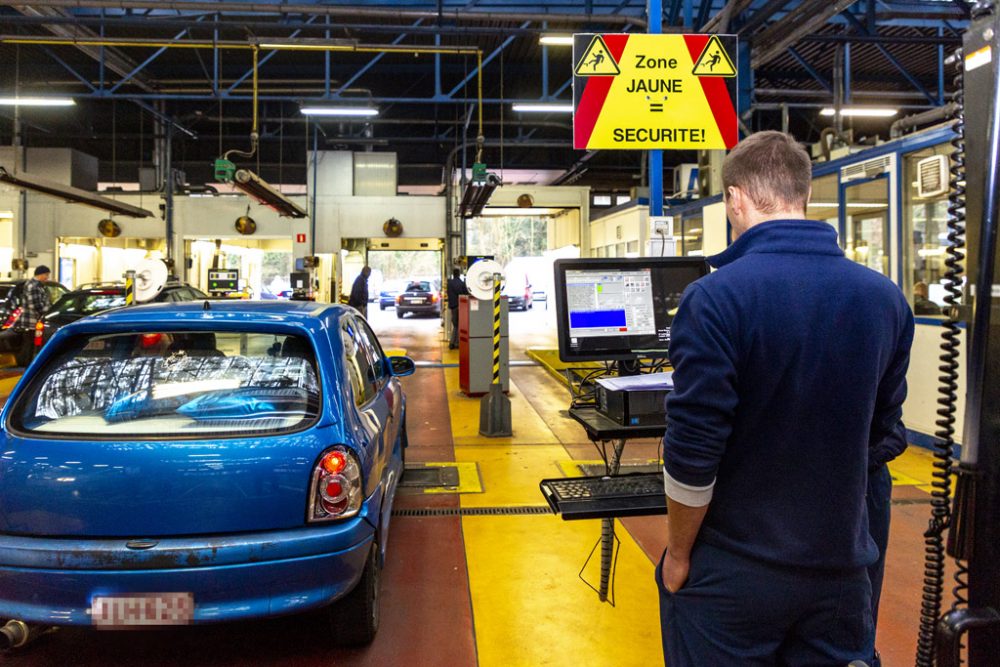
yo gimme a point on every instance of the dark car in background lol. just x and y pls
(96, 298)
(11, 309)
(517, 289)
(390, 290)
(420, 296)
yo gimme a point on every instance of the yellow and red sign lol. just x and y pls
(645, 92)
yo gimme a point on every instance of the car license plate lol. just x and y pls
(417, 302)
(132, 610)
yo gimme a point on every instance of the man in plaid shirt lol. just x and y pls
(36, 302)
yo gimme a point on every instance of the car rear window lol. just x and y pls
(170, 384)
(89, 303)
(419, 286)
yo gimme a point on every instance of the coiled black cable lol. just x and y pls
(941, 515)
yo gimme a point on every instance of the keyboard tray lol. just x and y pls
(634, 494)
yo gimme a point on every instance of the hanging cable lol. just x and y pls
(941, 515)
(254, 136)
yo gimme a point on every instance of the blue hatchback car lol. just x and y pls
(202, 462)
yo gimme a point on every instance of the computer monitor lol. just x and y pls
(620, 309)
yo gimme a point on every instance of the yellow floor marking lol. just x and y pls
(8, 360)
(7, 385)
(915, 463)
(549, 359)
(511, 474)
(469, 480)
(528, 427)
(571, 468)
(530, 608)
(394, 352)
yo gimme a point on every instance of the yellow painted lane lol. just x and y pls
(532, 610)
(511, 474)
(7, 385)
(529, 428)
(914, 467)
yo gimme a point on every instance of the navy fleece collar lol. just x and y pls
(800, 237)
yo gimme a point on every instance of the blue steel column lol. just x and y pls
(654, 12)
(744, 77)
(847, 73)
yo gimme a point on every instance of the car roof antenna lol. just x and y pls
(207, 305)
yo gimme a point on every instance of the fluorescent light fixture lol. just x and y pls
(862, 112)
(37, 102)
(257, 188)
(311, 45)
(543, 108)
(833, 204)
(6, 215)
(339, 111)
(556, 40)
(71, 194)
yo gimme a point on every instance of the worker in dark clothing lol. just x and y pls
(789, 366)
(36, 302)
(456, 288)
(359, 291)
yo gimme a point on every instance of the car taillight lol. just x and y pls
(151, 340)
(434, 298)
(39, 331)
(399, 299)
(336, 490)
(14, 317)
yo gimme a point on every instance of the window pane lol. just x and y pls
(692, 233)
(926, 228)
(867, 240)
(358, 358)
(163, 384)
(823, 202)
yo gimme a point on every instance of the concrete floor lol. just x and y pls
(496, 590)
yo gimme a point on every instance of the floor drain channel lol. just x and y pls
(472, 511)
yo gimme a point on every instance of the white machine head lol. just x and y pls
(150, 278)
(479, 279)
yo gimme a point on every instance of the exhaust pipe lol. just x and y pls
(16, 634)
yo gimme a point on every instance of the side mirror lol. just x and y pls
(402, 366)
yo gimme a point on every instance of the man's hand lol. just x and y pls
(674, 572)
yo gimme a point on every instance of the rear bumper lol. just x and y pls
(426, 308)
(53, 581)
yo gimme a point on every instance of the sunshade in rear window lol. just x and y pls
(159, 384)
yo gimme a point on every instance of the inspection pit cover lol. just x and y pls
(423, 477)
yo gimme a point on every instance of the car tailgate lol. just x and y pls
(112, 488)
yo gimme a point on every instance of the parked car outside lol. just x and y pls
(517, 289)
(95, 298)
(243, 458)
(12, 339)
(420, 296)
(390, 290)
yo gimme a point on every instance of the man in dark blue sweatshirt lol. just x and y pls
(789, 366)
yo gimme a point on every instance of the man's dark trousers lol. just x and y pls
(735, 610)
(453, 341)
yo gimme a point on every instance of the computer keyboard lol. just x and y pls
(606, 496)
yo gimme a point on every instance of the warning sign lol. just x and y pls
(640, 92)
(714, 61)
(597, 60)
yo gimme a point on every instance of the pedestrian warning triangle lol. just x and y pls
(714, 61)
(597, 60)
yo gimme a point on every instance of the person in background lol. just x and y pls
(456, 288)
(359, 291)
(789, 368)
(922, 305)
(36, 302)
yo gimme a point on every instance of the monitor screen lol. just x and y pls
(620, 309)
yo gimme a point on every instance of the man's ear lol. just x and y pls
(737, 201)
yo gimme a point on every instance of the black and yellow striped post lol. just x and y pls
(494, 408)
(129, 288)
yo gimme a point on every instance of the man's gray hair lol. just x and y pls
(772, 169)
